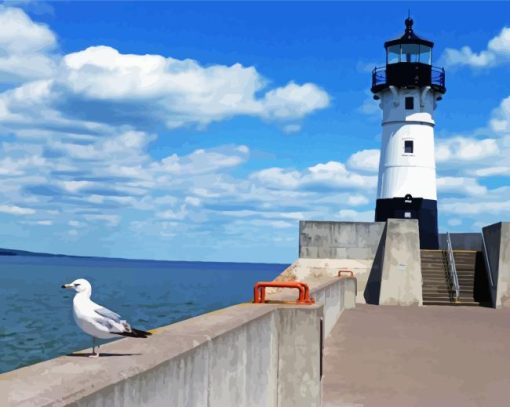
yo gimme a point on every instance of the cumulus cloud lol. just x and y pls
(365, 160)
(330, 175)
(465, 149)
(490, 171)
(497, 52)
(500, 120)
(16, 210)
(99, 87)
(25, 47)
(180, 92)
(202, 161)
(461, 185)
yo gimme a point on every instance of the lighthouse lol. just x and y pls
(408, 88)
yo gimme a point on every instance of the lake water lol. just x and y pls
(36, 320)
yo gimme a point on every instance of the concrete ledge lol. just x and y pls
(245, 355)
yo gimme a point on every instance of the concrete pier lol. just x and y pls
(418, 356)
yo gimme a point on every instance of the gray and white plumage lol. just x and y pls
(96, 320)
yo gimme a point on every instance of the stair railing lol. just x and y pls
(487, 262)
(452, 269)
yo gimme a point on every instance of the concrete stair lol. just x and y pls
(436, 285)
(465, 262)
(434, 269)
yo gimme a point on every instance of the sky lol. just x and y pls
(207, 131)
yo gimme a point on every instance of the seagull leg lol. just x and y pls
(94, 354)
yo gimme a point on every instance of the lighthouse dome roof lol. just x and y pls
(409, 37)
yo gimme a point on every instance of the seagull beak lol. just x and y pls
(67, 286)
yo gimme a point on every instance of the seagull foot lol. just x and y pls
(94, 355)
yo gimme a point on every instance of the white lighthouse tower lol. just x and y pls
(408, 88)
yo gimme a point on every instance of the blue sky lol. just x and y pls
(206, 131)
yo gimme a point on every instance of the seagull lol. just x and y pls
(97, 321)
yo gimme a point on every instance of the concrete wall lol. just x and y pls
(314, 271)
(401, 281)
(497, 240)
(326, 247)
(388, 269)
(246, 355)
(462, 241)
(339, 240)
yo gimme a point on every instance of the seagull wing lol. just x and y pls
(105, 322)
(106, 313)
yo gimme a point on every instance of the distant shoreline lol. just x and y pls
(16, 252)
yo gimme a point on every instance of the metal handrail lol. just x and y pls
(452, 269)
(437, 76)
(487, 262)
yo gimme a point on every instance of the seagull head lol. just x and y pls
(81, 285)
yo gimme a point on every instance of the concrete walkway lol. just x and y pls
(418, 356)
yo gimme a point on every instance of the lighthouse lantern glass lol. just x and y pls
(425, 55)
(393, 53)
(410, 53)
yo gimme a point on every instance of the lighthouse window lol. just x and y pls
(394, 54)
(409, 103)
(410, 52)
(408, 146)
(425, 55)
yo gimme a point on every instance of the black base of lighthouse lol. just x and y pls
(425, 210)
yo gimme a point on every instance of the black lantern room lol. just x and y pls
(408, 64)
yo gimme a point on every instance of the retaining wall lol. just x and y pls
(462, 241)
(497, 240)
(326, 247)
(245, 355)
(339, 240)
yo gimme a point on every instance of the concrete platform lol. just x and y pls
(418, 356)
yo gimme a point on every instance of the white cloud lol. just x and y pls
(357, 200)
(370, 107)
(477, 208)
(24, 47)
(332, 175)
(500, 121)
(358, 216)
(294, 101)
(278, 178)
(98, 88)
(465, 149)
(365, 160)
(497, 52)
(461, 185)
(16, 210)
(106, 219)
(490, 171)
(181, 91)
(203, 161)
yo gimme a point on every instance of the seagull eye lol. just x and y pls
(77, 284)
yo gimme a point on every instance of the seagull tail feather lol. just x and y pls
(134, 333)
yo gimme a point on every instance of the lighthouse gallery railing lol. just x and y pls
(452, 269)
(437, 76)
